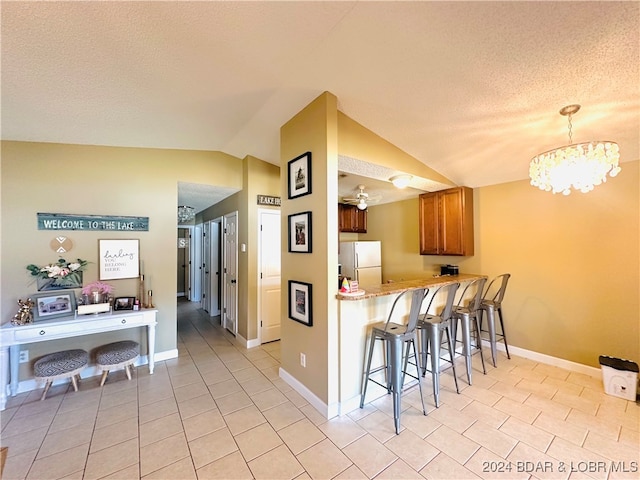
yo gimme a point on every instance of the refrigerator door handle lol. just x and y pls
(357, 264)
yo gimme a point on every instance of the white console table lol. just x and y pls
(13, 336)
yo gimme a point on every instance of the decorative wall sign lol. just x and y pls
(269, 200)
(299, 175)
(61, 244)
(63, 221)
(119, 259)
(300, 306)
(300, 232)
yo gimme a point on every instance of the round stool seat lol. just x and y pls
(115, 355)
(65, 364)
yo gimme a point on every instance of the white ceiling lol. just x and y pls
(472, 89)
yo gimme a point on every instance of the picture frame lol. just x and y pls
(124, 303)
(299, 176)
(53, 304)
(300, 233)
(300, 302)
(119, 259)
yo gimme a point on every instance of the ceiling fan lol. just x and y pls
(362, 199)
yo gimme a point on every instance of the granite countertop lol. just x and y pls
(397, 287)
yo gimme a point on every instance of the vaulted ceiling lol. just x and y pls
(472, 89)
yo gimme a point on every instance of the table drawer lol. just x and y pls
(35, 333)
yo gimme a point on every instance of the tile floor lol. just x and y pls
(222, 412)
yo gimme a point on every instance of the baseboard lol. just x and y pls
(92, 371)
(241, 341)
(317, 403)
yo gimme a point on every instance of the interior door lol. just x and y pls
(215, 267)
(230, 307)
(269, 280)
(206, 267)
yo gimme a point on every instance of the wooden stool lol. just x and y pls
(66, 364)
(116, 355)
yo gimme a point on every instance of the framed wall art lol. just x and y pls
(300, 304)
(124, 303)
(299, 175)
(300, 232)
(119, 259)
(53, 304)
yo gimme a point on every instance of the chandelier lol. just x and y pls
(186, 214)
(578, 165)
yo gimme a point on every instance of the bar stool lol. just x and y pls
(465, 315)
(430, 329)
(491, 306)
(395, 337)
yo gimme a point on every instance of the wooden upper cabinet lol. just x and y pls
(351, 219)
(446, 222)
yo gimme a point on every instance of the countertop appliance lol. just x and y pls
(361, 261)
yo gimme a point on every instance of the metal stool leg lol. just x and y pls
(395, 361)
(367, 369)
(478, 341)
(504, 335)
(453, 364)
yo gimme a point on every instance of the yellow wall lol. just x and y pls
(56, 178)
(574, 262)
(314, 129)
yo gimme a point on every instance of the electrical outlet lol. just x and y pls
(303, 359)
(24, 356)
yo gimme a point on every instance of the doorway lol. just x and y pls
(269, 275)
(230, 253)
(211, 266)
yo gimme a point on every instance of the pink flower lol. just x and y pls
(99, 287)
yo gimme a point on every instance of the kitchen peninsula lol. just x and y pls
(357, 313)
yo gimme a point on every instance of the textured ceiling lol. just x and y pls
(471, 89)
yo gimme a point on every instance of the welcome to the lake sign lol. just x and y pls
(64, 221)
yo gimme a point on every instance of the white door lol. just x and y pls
(215, 269)
(195, 262)
(230, 307)
(269, 275)
(206, 267)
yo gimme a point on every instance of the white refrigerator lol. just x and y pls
(361, 261)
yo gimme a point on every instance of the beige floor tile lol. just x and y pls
(117, 414)
(351, 473)
(224, 388)
(265, 362)
(153, 411)
(283, 415)
(486, 464)
(196, 406)
(301, 435)
(412, 449)
(233, 402)
(568, 453)
(323, 460)
(132, 472)
(268, 399)
(456, 446)
(18, 426)
(561, 428)
(216, 376)
(160, 428)
(211, 447)
(629, 436)
(444, 467)
(26, 442)
(549, 407)
(551, 371)
(594, 424)
(186, 379)
(159, 391)
(453, 418)
(272, 373)
(381, 425)
(243, 420)
(526, 413)
(257, 441)
(61, 464)
(182, 469)
(117, 398)
(482, 395)
(17, 466)
(59, 441)
(491, 438)
(36, 407)
(295, 398)
(420, 424)
(577, 402)
(229, 467)
(112, 459)
(453, 399)
(539, 465)
(188, 392)
(113, 434)
(276, 464)
(510, 391)
(342, 430)
(160, 454)
(7, 414)
(237, 363)
(529, 434)
(398, 470)
(615, 451)
(203, 424)
(246, 374)
(312, 414)
(486, 414)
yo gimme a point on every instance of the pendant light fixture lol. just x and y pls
(186, 213)
(580, 166)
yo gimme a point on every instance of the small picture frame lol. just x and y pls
(61, 303)
(299, 175)
(300, 302)
(124, 303)
(119, 259)
(300, 232)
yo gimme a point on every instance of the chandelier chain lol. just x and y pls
(570, 130)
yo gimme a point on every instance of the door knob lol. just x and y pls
(233, 281)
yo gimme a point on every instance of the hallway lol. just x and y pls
(219, 411)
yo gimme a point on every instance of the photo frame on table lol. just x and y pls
(299, 175)
(124, 303)
(119, 259)
(300, 232)
(300, 302)
(60, 303)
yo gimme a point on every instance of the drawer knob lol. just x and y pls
(124, 321)
(41, 332)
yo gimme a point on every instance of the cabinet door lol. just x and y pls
(351, 219)
(450, 220)
(360, 220)
(428, 220)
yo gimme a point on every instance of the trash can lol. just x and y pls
(620, 377)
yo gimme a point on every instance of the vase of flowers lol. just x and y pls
(59, 275)
(96, 292)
